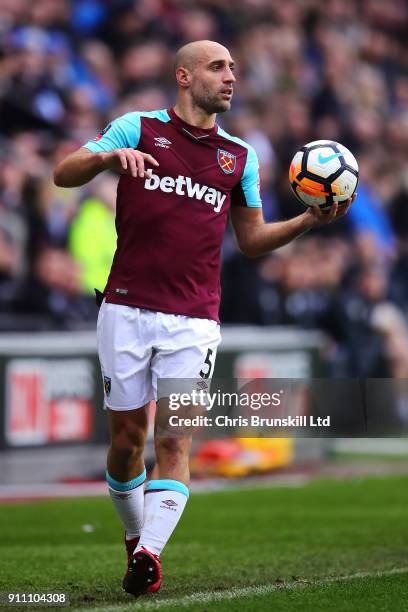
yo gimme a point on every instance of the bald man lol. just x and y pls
(181, 178)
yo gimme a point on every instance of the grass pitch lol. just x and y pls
(329, 545)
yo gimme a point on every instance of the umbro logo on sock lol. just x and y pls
(120, 494)
(169, 504)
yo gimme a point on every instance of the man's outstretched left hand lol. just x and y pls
(318, 217)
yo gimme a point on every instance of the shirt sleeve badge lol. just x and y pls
(99, 136)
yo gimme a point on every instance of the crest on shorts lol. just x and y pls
(107, 383)
(226, 161)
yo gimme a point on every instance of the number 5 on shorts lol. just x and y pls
(208, 362)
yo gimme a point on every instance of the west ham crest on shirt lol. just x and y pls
(226, 161)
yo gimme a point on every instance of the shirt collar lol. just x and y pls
(191, 130)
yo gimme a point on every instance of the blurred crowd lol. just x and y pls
(307, 70)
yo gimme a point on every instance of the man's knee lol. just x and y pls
(172, 447)
(126, 445)
(128, 433)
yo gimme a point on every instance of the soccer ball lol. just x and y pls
(323, 172)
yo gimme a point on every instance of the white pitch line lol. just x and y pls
(34, 492)
(211, 596)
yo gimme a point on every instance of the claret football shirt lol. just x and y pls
(170, 226)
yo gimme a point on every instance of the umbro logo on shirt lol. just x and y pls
(184, 186)
(162, 142)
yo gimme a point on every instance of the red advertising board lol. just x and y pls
(48, 401)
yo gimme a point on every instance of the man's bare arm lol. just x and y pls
(82, 166)
(255, 237)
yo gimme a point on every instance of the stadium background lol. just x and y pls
(306, 70)
(333, 303)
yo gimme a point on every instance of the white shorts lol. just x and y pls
(137, 347)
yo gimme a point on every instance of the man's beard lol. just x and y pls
(209, 102)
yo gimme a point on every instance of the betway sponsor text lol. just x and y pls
(184, 186)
